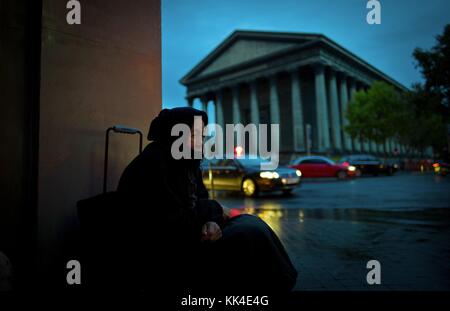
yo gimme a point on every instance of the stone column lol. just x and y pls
(403, 149)
(373, 147)
(235, 105)
(397, 146)
(355, 141)
(219, 109)
(380, 148)
(274, 102)
(365, 142)
(322, 131)
(254, 111)
(204, 102)
(366, 146)
(254, 107)
(190, 101)
(392, 145)
(334, 109)
(297, 112)
(388, 146)
(344, 105)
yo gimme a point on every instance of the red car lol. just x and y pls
(318, 166)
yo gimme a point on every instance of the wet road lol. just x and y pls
(331, 229)
(403, 191)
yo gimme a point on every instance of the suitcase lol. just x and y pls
(101, 225)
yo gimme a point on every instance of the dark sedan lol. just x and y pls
(247, 176)
(368, 164)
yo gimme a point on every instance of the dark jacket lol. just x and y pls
(168, 195)
(166, 203)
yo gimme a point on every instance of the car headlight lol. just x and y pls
(269, 175)
(351, 168)
(298, 172)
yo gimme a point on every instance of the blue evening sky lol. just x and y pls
(193, 28)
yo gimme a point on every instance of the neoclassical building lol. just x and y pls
(302, 81)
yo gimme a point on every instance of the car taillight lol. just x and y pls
(238, 151)
(346, 164)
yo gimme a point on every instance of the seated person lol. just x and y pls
(183, 240)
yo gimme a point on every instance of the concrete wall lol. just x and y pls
(103, 72)
(19, 100)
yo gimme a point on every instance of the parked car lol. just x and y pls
(318, 166)
(246, 175)
(368, 164)
(441, 168)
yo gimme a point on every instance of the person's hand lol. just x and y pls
(211, 231)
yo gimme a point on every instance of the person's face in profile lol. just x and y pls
(196, 141)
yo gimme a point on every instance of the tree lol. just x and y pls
(375, 114)
(420, 125)
(433, 99)
(434, 65)
(417, 118)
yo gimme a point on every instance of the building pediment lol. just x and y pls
(242, 47)
(244, 50)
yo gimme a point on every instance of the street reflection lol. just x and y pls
(276, 216)
(271, 213)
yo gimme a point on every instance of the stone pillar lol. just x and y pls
(392, 143)
(274, 102)
(355, 141)
(219, 109)
(334, 109)
(402, 149)
(366, 145)
(365, 142)
(322, 131)
(235, 105)
(254, 111)
(204, 102)
(397, 146)
(190, 101)
(380, 148)
(344, 105)
(373, 147)
(297, 112)
(254, 107)
(388, 146)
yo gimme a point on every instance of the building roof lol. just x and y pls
(244, 46)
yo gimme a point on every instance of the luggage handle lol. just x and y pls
(121, 129)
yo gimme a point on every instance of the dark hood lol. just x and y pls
(161, 126)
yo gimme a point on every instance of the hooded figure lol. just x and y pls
(170, 214)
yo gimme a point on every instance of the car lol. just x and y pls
(368, 164)
(441, 168)
(245, 174)
(319, 166)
